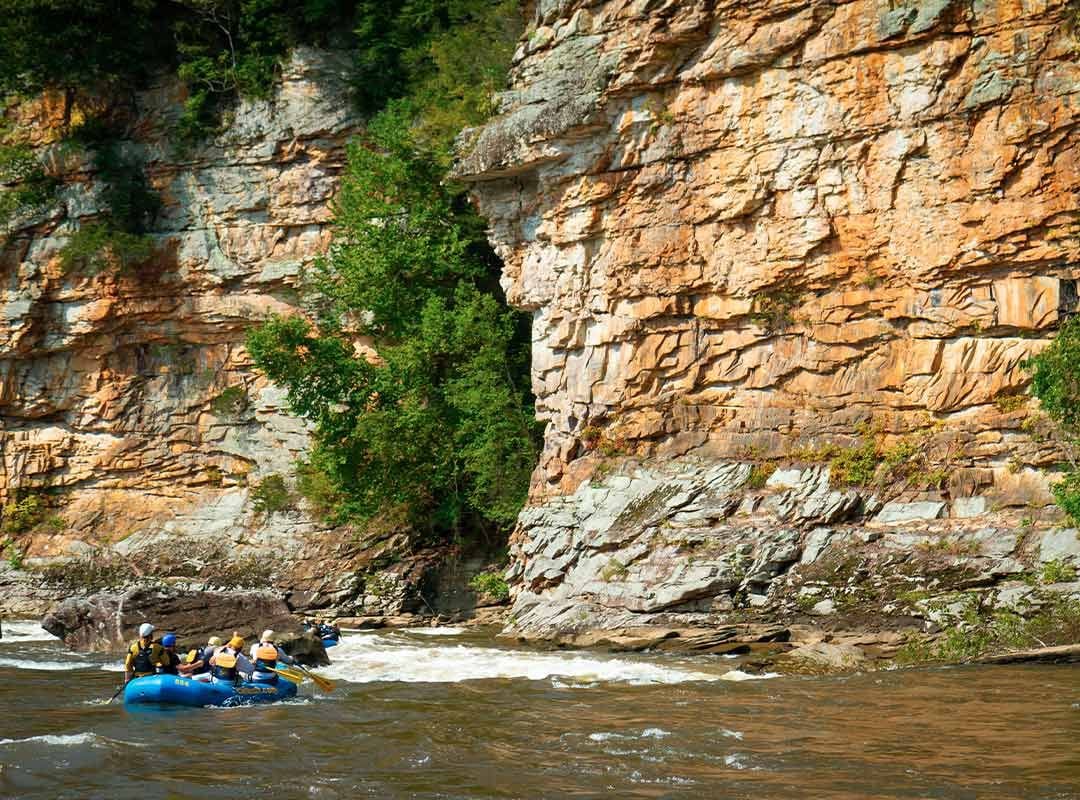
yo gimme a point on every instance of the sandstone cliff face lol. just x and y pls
(129, 398)
(743, 229)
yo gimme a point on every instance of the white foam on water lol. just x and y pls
(739, 675)
(738, 735)
(24, 630)
(49, 666)
(392, 657)
(735, 760)
(654, 733)
(436, 631)
(648, 733)
(72, 740)
(66, 740)
(115, 666)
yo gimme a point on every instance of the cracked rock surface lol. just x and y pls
(742, 228)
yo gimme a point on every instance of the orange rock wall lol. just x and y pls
(108, 382)
(745, 227)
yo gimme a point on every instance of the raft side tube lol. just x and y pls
(180, 691)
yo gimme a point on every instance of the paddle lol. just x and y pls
(115, 694)
(287, 675)
(323, 683)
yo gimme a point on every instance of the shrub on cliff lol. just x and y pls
(1056, 382)
(25, 188)
(119, 239)
(271, 495)
(440, 422)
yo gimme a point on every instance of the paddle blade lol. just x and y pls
(289, 676)
(323, 683)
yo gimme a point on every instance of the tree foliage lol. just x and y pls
(455, 51)
(1056, 382)
(439, 423)
(66, 44)
(448, 57)
(25, 187)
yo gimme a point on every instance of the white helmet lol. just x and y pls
(146, 629)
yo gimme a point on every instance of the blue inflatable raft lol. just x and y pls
(329, 642)
(178, 691)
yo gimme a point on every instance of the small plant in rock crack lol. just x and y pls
(774, 310)
(232, 402)
(1057, 571)
(760, 475)
(615, 570)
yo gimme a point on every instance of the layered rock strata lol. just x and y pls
(128, 404)
(747, 230)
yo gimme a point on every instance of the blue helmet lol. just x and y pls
(168, 640)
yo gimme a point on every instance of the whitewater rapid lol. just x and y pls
(414, 655)
(411, 656)
(21, 630)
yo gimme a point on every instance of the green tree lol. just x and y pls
(439, 424)
(71, 44)
(449, 55)
(120, 239)
(1056, 382)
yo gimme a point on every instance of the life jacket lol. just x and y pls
(266, 657)
(143, 661)
(224, 666)
(203, 656)
(171, 662)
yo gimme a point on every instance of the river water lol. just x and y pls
(451, 714)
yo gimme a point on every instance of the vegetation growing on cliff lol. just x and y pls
(973, 631)
(453, 50)
(917, 461)
(24, 185)
(1056, 382)
(439, 423)
(490, 584)
(439, 426)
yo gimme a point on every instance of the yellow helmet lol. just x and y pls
(214, 641)
(237, 643)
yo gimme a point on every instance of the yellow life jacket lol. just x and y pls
(266, 656)
(224, 666)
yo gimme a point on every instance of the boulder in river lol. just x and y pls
(307, 648)
(109, 620)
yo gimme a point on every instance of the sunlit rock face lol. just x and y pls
(744, 228)
(128, 396)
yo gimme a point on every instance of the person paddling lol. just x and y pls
(198, 667)
(229, 662)
(328, 630)
(144, 656)
(171, 657)
(266, 656)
